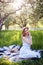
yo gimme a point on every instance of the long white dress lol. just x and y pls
(26, 52)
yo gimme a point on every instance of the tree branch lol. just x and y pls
(6, 15)
(2, 1)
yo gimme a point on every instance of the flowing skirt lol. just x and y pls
(26, 52)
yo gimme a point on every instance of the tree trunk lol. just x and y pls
(0, 27)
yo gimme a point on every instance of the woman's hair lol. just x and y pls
(23, 32)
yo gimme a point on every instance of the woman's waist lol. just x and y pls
(25, 44)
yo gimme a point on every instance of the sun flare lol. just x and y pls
(17, 4)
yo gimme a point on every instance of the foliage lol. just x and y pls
(37, 12)
(31, 10)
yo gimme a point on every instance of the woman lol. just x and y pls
(25, 51)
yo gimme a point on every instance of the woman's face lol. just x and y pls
(26, 31)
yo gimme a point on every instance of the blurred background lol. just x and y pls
(16, 14)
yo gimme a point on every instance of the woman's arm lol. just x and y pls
(29, 41)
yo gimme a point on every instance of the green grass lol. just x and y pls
(37, 38)
(24, 62)
(10, 37)
(14, 37)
